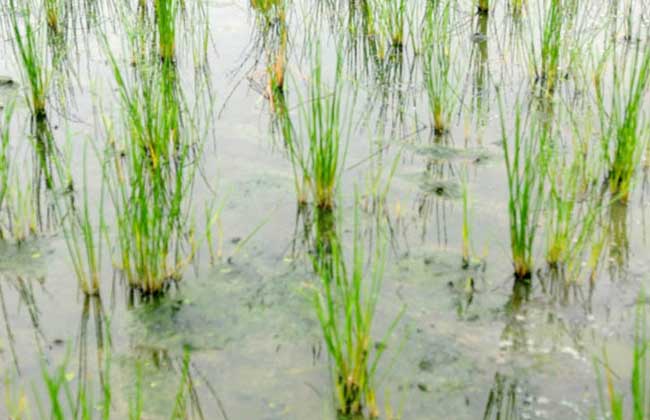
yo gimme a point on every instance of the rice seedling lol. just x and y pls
(391, 16)
(612, 404)
(60, 28)
(149, 179)
(162, 25)
(345, 305)
(325, 157)
(622, 123)
(212, 219)
(466, 244)
(574, 201)
(276, 68)
(30, 52)
(546, 61)
(526, 160)
(83, 240)
(438, 66)
(21, 198)
(21, 220)
(166, 12)
(271, 16)
(364, 45)
(315, 144)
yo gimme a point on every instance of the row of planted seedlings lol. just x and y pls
(148, 162)
(389, 41)
(405, 49)
(554, 179)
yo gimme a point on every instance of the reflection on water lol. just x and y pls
(565, 291)
(619, 245)
(515, 334)
(502, 401)
(100, 333)
(439, 185)
(25, 296)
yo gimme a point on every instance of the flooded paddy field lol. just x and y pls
(277, 209)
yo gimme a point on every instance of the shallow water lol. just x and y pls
(469, 339)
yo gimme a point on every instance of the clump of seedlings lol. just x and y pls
(21, 219)
(346, 303)
(546, 62)
(437, 65)
(149, 175)
(365, 47)
(622, 123)
(84, 240)
(30, 51)
(525, 152)
(165, 24)
(573, 201)
(390, 20)
(271, 38)
(315, 144)
(22, 203)
(166, 12)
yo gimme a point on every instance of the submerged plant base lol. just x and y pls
(619, 187)
(440, 131)
(168, 59)
(40, 115)
(522, 272)
(465, 263)
(138, 293)
(325, 204)
(439, 126)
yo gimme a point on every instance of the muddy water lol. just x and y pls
(470, 341)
